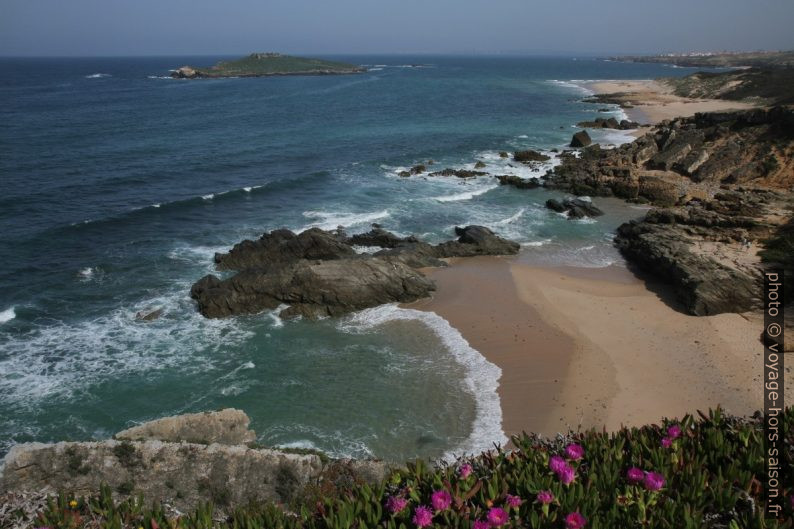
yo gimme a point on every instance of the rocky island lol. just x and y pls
(267, 64)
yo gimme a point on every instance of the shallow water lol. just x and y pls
(118, 184)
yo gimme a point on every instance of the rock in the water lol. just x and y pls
(575, 207)
(581, 139)
(312, 288)
(503, 154)
(229, 427)
(149, 315)
(460, 173)
(520, 183)
(318, 273)
(283, 246)
(530, 156)
(479, 165)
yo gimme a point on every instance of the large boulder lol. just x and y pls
(517, 181)
(284, 246)
(228, 426)
(476, 240)
(311, 288)
(530, 156)
(581, 139)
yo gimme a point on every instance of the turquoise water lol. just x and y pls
(117, 185)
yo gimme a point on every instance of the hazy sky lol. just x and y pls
(165, 27)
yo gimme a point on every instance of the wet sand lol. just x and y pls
(582, 348)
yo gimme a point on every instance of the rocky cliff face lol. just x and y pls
(318, 273)
(688, 157)
(724, 181)
(179, 471)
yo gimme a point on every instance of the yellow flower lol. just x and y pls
(73, 504)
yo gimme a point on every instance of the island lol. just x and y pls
(267, 64)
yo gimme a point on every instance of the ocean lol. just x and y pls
(118, 184)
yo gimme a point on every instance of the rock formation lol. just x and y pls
(581, 139)
(180, 472)
(318, 273)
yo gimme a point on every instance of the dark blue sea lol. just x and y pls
(118, 183)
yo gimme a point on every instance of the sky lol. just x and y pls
(229, 27)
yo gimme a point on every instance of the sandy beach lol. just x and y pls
(596, 347)
(652, 101)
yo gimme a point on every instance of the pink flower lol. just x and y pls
(674, 432)
(574, 451)
(556, 463)
(653, 481)
(441, 500)
(423, 516)
(575, 521)
(514, 501)
(481, 524)
(465, 470)
(545, 497)
(667, 442)
(396, 504)
(635, 475)
(567, 474)
(497, 516)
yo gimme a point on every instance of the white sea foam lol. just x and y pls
(535, 244)
(7, 315)
(98, 75)
(331, 220)
(511, 219)
(366, 249)
(468, 195)
(208, 197)
(482, 377)
(55, 360)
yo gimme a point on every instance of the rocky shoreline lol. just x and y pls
(181, 461)
(318, 273)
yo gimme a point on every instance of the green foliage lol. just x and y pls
(275, 64)
(127, 455)
(713, 472)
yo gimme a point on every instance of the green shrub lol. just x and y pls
(695, 473)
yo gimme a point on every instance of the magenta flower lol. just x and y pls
(556, 463)
(396, 504)
(480, 524)
(465, 470)
(667, 442)
(423, 516)
(567, 474)
(497, 517)
(514, 501)
(545, 497)
(653, 481)
(574, 451)
(441, 500)
(575, 521)
(635, 475)
(674, 432)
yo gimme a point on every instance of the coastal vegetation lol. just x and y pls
(266, 64)
(764, 85)
(703, 471)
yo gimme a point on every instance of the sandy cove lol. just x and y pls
(652, 101)
(583, 348)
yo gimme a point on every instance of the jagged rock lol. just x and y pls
(658, 191)
(149, 315)
(311, 288)
(518, 182)
(702, 284)
(581, 139)
(575, 207)
(229, 427)
(317, 273)
(609, 123)
(460, 173)
(479, 165)
(185, 72)
(284, 246)
(503, 154)
(530, 156)
(179, 475)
